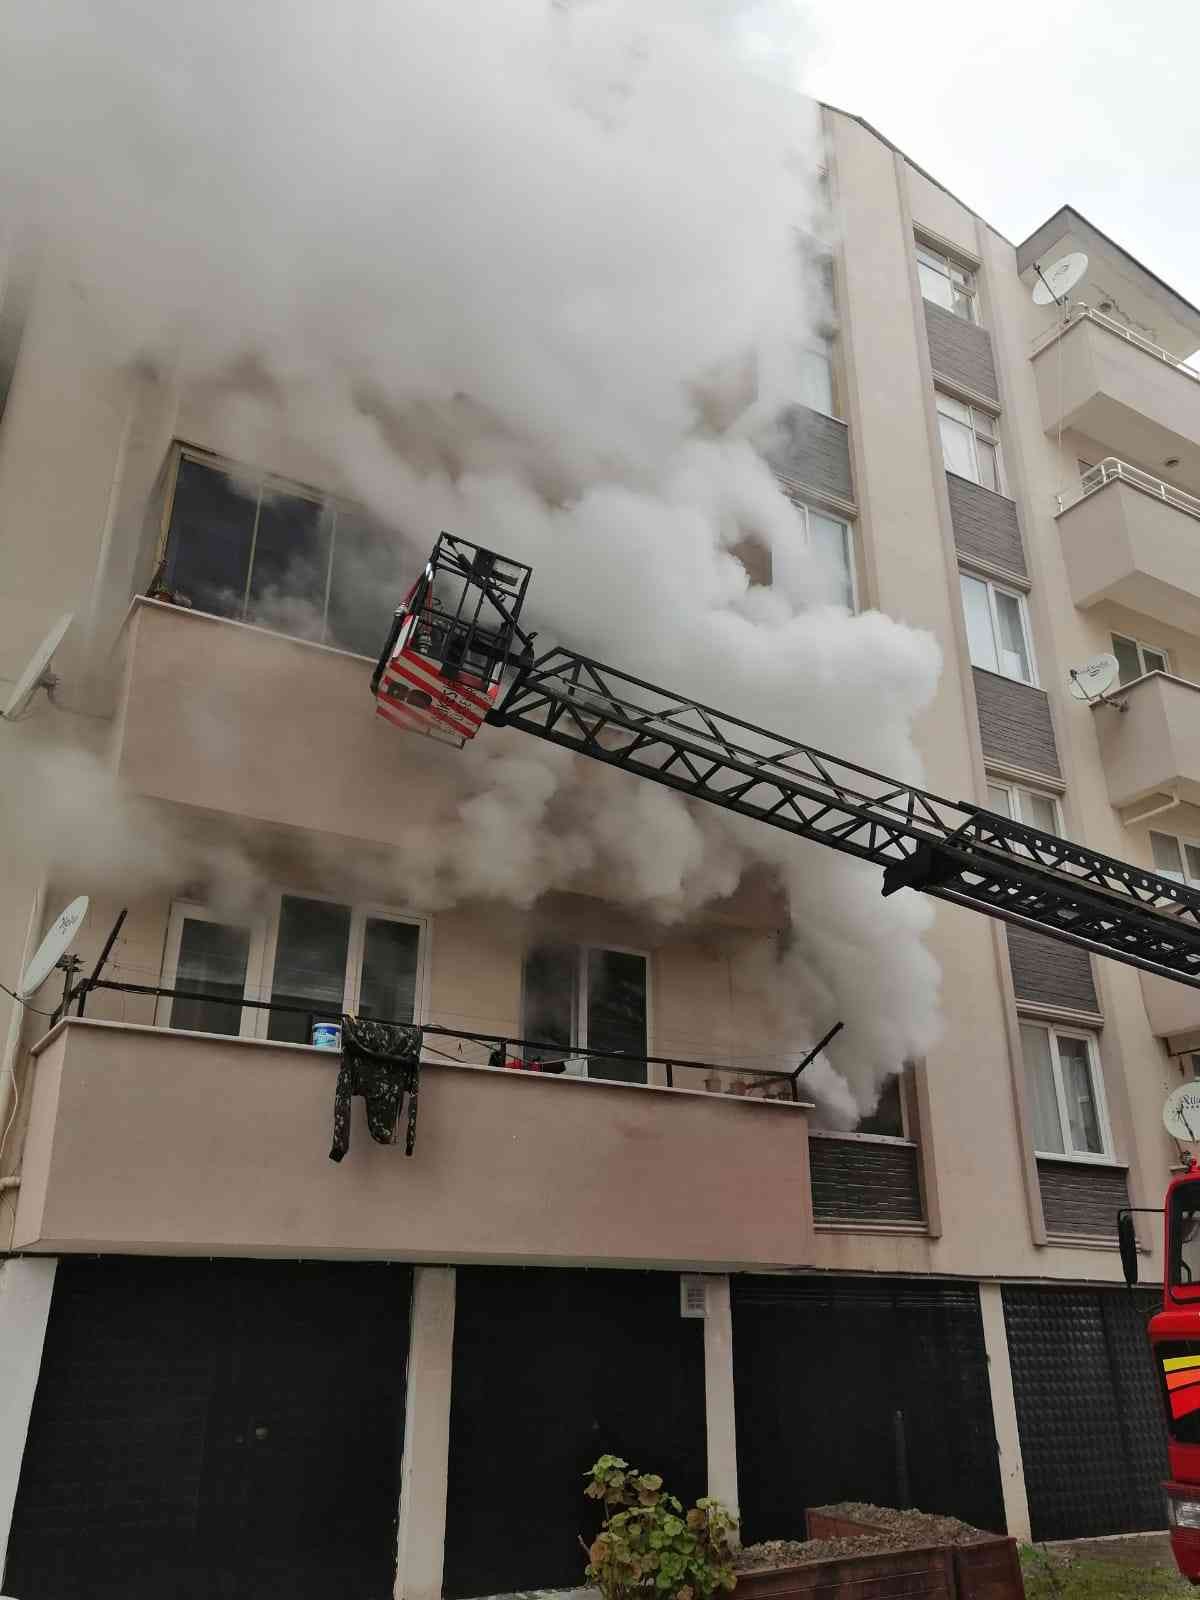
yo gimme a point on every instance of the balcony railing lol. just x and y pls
(1112, 470)
(500, 1050)
(1079, 312)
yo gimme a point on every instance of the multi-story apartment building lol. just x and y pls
(232, 1367)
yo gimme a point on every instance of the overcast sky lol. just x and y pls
(1019, 107)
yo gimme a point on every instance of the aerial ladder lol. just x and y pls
(457, 659)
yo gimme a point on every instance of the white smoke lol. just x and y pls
(529, 272)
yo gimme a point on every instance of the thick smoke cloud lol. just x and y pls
(533, 272)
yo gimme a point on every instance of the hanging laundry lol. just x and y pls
(381, 1061)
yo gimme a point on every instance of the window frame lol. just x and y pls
(1106, 1156)
(1013, 789)
(183, 911)
(578, 1065)
(904, 1138)
(822, 346)
(268, 483)
(945, 263)
(993, 588)
(1141, 647)
(1184, 843)
(260, 966)
(990, 435)
(360, 913)
(851, 545)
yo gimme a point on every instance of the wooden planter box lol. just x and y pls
(988, 1570)
(893, 1575)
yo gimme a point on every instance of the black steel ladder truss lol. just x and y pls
(950, 849)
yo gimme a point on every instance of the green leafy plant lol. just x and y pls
(649, 1545)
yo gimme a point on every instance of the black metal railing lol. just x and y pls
(76, 994)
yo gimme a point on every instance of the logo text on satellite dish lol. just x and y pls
(1095, 678)
(53, 947)
(1058, 279)
(1181, 1113)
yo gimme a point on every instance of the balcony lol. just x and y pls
(146, 1140)
(1134, 540)
(237, 720)
(1173, 1011)
(1152, 746)
(1096, 377)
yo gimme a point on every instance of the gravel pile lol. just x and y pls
(906, 1530)
(799, 1553)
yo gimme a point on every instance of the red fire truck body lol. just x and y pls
(1175, 1340)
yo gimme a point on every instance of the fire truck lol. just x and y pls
(1175, 1341)
(456, 643)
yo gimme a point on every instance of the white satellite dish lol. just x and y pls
(37, 674)
(1096, 678)
(56, 943)
(1059, 279)
(1181, 1113)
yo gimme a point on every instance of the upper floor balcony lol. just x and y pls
(1149, 737)
(1134, 540)
(1099, 378)
(237, 720)
(152, 1140)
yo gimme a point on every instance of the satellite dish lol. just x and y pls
(1059, 279)
(56, 943)
(36, 674)
(1181, 1113)
(1095, 678)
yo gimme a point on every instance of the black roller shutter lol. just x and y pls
(822, 1366)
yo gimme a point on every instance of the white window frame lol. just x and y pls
(939, 261)
(578, 1066)
(993, 589)
(905, 1137)
(1184, 842)
(850, 547)
(360, 912)
(1141, 647)
(1104, 1157)
(1016, 793)
(822, 346)
(989, 432)
(264, 941)
(194, 911)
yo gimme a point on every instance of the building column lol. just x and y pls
(1004, 1411)
(26, 1283)
(720, 1424)
(421, 1537)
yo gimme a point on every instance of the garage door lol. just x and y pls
(552, 1368)
(1089, 1412)
(861, 1389)
(224, 1429)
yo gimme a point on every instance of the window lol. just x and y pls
(970, 446)
(584, 1001)
(997, 629)
(887, 1119)
(946, 283)
(219, 961)
(1136, 659)
(831, 544)
(1177, 859)
(323, 957)
(336, 958)
(1030, 806)
(815, 362)
(1065, 1093)
(281, 556)
(1185, 1242)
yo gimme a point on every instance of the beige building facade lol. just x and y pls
(615, 1256)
